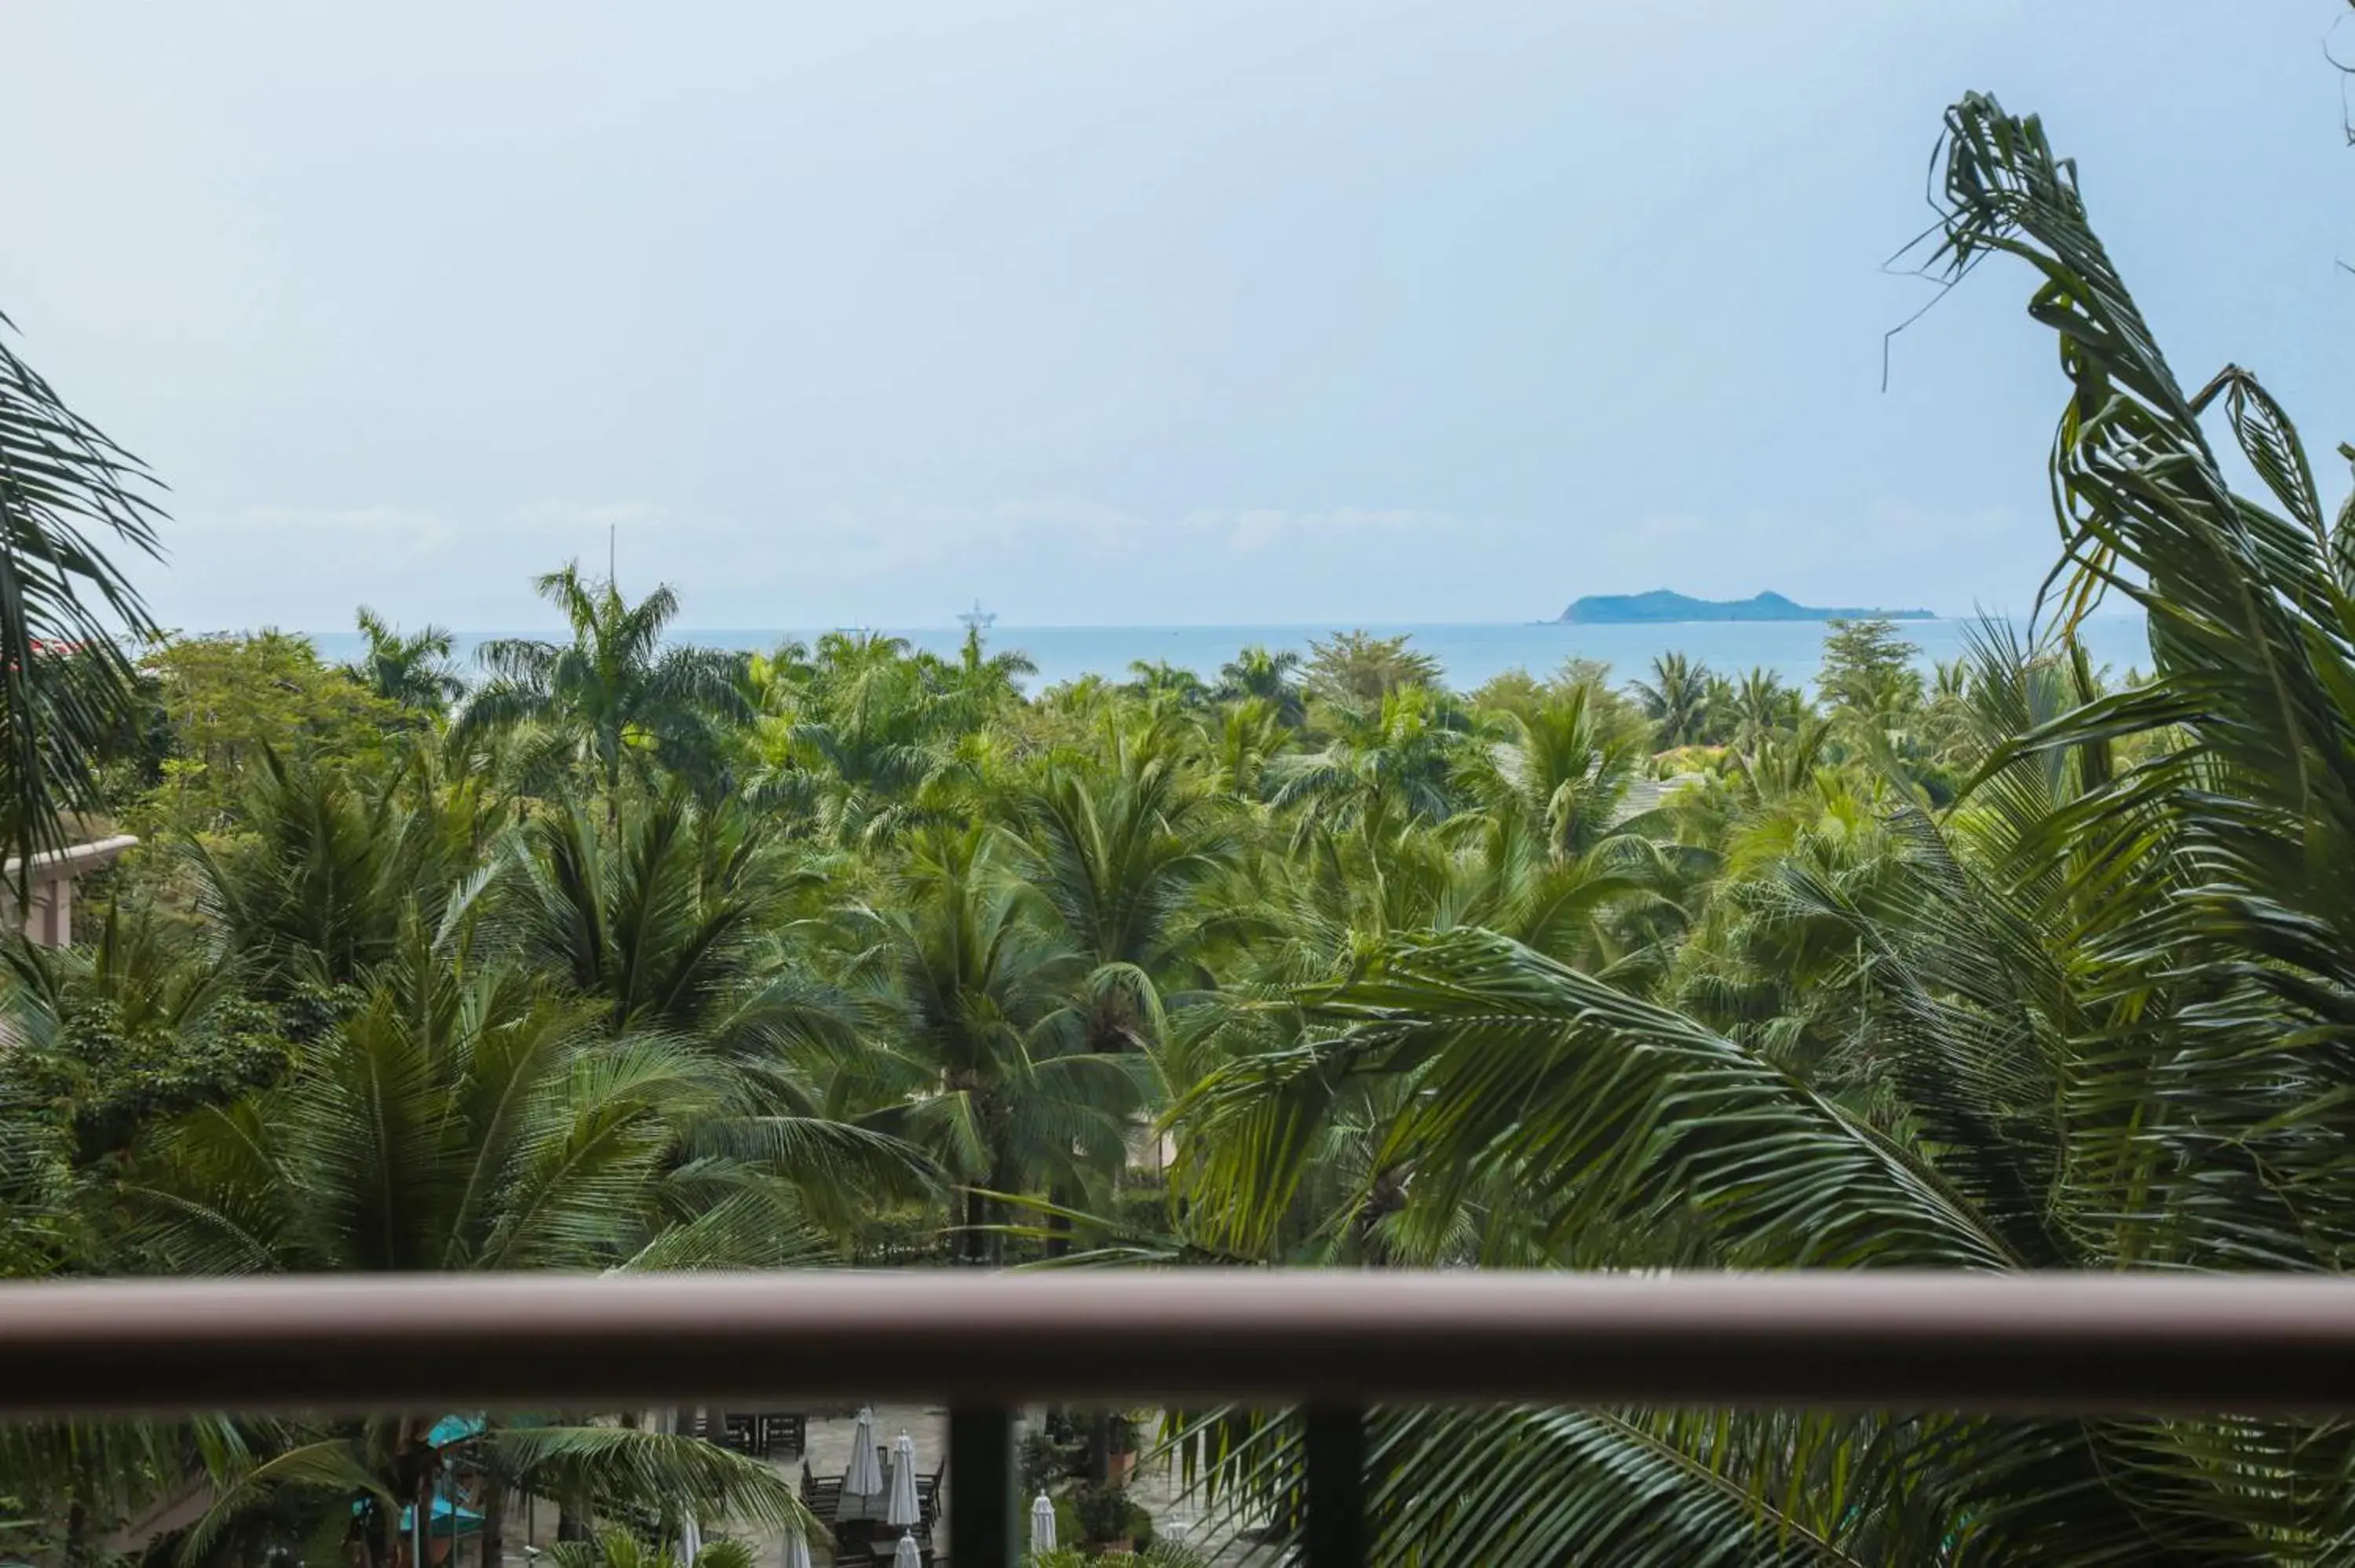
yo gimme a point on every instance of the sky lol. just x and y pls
(1166, 311)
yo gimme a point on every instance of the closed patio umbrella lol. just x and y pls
(690, 1541)
(796, 1547)
(865, 1477)
(905, 1554)
(1042, 1524)
(900, 1509)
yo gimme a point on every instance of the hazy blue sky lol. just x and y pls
(1197, 311)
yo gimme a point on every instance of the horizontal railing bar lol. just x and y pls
(2027, 1342)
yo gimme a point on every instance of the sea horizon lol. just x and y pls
(1469, 652)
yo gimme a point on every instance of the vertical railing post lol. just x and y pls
(981, 1504)
(1336, 1487)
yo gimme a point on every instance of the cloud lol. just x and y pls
(1046, 560)
(361, 518)
(1041, 559)
(572, 516)
(868, 540)
(307, 567)
(279, 540)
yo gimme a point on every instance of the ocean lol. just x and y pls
(1468, 653)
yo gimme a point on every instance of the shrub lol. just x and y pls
(1046, 1462)
(1104, 1512)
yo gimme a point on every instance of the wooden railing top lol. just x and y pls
(2054, 1342)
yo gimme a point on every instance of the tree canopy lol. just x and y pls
(638, 956)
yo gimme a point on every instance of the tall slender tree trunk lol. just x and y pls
(972, 1246)
(614, 791)
(1059, 1226)
(1100, 1447)
(715, 1425)
(495, 1517)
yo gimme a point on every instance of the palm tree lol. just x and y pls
(614, 699)
(331, 864)
(2096, 1017)
(1564, 772)
(1763, 707)
(980, 682)
(677, 930)
(620, 1549)
(1251, 734)
(1120, 855)
(663, 927)
(1781, 765)
(1676, 699)
(1260, 673)
(411, 672)
(67, 686)
(464, 1117)
(992, 1082)
(1558, 860)
(1393, 760)
(1947, 715)
(861, 738)
(1717, 709)
(1165, 685)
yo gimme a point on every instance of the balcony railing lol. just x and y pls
(1332, 1341)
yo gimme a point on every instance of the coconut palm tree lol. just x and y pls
(1718, 696)
(68, 493)
(1251, 734)
(980, 682)
(2096, 1017)
(663, 927)
(1393, 760)
(679, 929)
(1266, 675)
(1119, 854)
(1676, 699)
(1565, 773)
(860, 739)
(991, 1078)
(332, 863)
(464, 1116)
(1118, 850)
(1763, 707)
(1166, 687)
(411, 672)
(1557, 859)
(613, 701)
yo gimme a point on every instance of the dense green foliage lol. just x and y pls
(635, 957)
(68, 494)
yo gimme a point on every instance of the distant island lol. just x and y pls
(1638, 609)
